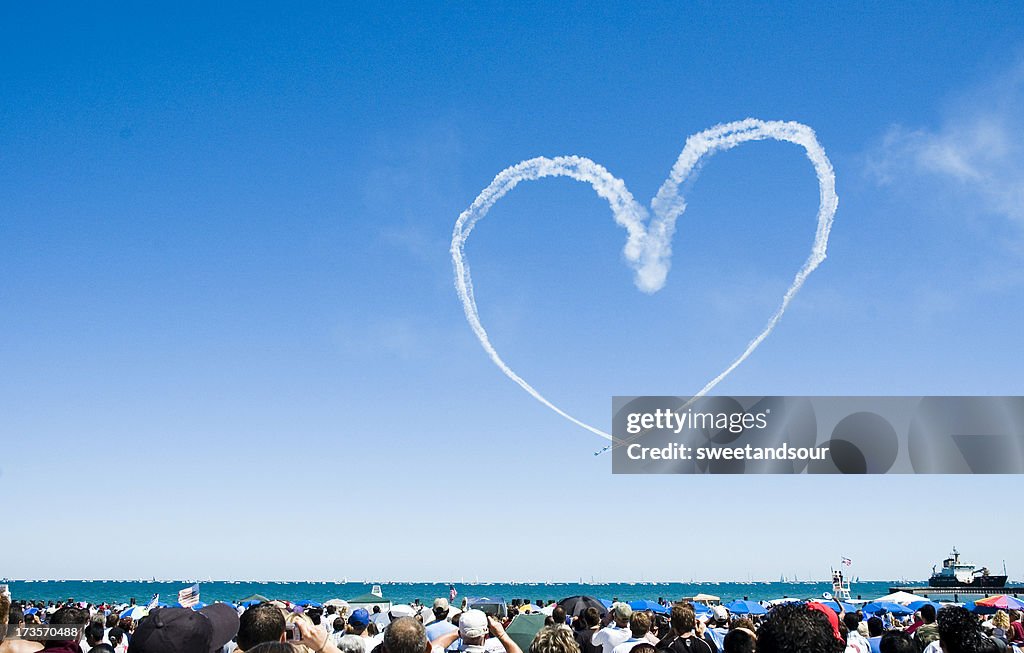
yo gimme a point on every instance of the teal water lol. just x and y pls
(121, 591)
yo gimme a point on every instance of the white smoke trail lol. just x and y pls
(648, 249)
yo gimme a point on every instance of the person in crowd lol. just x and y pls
(928, 631)
(16, 619)
(960, 632)
(1001, 625)
(718, 627)
(740, 640)
(855, 641)
(616, 632)
(558, 619)
(405, 635)
(359, 625)
(875, 630)
(1016, 633)
(590, 622)
(800, 628)
(72, 617)
(554, 639)
(440, 624)
(260, 623)
(93, 636)
(474, 627)
(183, 630)
(118, 640)
(897, 641)
(684, 637)
(639, 626)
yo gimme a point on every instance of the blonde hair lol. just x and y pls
(1001, 620)
(553, 639)
(291, 618)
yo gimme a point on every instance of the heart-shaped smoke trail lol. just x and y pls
(648, 247)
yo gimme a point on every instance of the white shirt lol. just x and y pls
(609, 637)
(627, 646)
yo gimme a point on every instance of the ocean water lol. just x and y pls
(99, 591)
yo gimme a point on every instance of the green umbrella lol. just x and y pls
(524, 627)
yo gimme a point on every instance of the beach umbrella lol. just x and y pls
(917, 605)
(253, 600)
(876, 607)
(574, 606)
(700, 610)
(606, 603)
(338, 603)
(901, 597)
(309, 604)
(644, 604)
(524, 628)
(135, 612)
(197, 606)
(31, 611)
(989, 605)
(745, 607)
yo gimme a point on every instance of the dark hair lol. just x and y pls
(558, 616)
(959, 631)
(115, 635)
(405, 635)
(643, 647)
(639, 624)
(795, 628)
(69, 616)
(270, 647)
(739, 641)
(928, 613)
(682, 619)
(260, 623)
(874, 627)
(16, 616)
(112, 620)
(591, 617)
(851, 621)
(897, 641)
(376, 609)
(102, 648)
(94, 633)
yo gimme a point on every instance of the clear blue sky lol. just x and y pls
(231, 347)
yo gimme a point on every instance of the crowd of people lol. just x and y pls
(279, 627)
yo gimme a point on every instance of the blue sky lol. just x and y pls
(228, 307)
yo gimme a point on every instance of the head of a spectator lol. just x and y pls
(15, 616)
(558, 616)
(112, 620)
(720, 616)
(639, 624)
(643, 647)
(591, 617)
(272, 647)
(1001, 620)
(621, 612)
(960, 632)
(358, 621)
(261, 623)
(742, 622)
(102, 647)
(407, 635)
(552, 639)
(928, 613)
(115, 636)
(897, 641)
(800, 628)
(352, 644)
(183, 630)
(851, 621)
(473, 627)
(740, 640)
(93, 634)
(67, 616)
(441, 608)
(683, 619)
(875, 627)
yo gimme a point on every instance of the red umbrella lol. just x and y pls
(1001, 602)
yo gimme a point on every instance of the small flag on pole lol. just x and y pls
(452, 592)
(189, 596)
(847, 561)
(153, 602)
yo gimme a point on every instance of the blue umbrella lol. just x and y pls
(741, 606)
(309, 604)
(701, 609)
(876, 607)
(31, 611)
(917, 605)
(606, 603)
(197, 606)
(644, 604)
